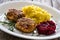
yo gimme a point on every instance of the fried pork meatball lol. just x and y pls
(14, 14)
(25, 25)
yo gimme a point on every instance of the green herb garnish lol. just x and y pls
(10, 24)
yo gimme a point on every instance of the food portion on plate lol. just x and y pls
(36, 13)
(26, 25)
(46, 28)
(30, 18)
(14, 15)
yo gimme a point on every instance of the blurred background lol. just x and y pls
(52, 3)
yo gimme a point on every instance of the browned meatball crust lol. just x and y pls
(14, 14)
(26, 25)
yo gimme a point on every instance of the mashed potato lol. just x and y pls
(36, 13)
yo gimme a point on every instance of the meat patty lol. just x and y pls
(25, 25)
(14, 14)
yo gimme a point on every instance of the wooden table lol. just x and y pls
(53, 3)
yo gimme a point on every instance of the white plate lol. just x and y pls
(17, 5)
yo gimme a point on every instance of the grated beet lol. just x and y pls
(46, 28)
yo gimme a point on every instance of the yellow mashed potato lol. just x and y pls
(36, 13)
